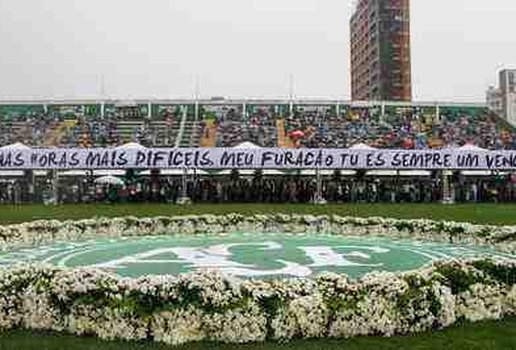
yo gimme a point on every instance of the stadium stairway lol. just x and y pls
(191, 134)
(283, 140)
(181, 131)
(209, 138)
(165, 136)
(128, 128)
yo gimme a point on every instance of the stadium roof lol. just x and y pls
(316, 101)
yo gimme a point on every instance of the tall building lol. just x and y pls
(502, 100)
(494, 100)
(380, 51)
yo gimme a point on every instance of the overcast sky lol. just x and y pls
(237, 47)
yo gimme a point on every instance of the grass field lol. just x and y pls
(481, 336)
(478, 213)
(500, 335)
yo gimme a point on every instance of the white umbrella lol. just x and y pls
(108, 172)
(73, 173)
(11, 173)
(247, 145)
(470, 147)
(415, 173)
(131, 145)
(17, 145)
(174, 172)
(382, 173)
(273, 172)
(476, 172)
(250, 172)
(327, 172)
(109, 180)
(362, 146)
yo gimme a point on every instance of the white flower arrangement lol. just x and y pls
(481, 302)
(178, 326)
(209, 306)
(35, 233)
(305, 317)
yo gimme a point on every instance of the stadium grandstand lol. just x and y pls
(256, 123)
(274, 123)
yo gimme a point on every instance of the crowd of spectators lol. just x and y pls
(92, 132)
(258, 127)
(32, 130)
(113, 130)
(408, 129)
(313, 127)
(6, 133)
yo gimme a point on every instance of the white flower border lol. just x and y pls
(501, 238)
(208, 306)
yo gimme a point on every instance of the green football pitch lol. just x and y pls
(477, 213)
(495, 335)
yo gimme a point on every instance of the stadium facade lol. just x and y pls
(380, 51)
(147, 107)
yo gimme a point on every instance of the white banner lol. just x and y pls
(263, 158)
